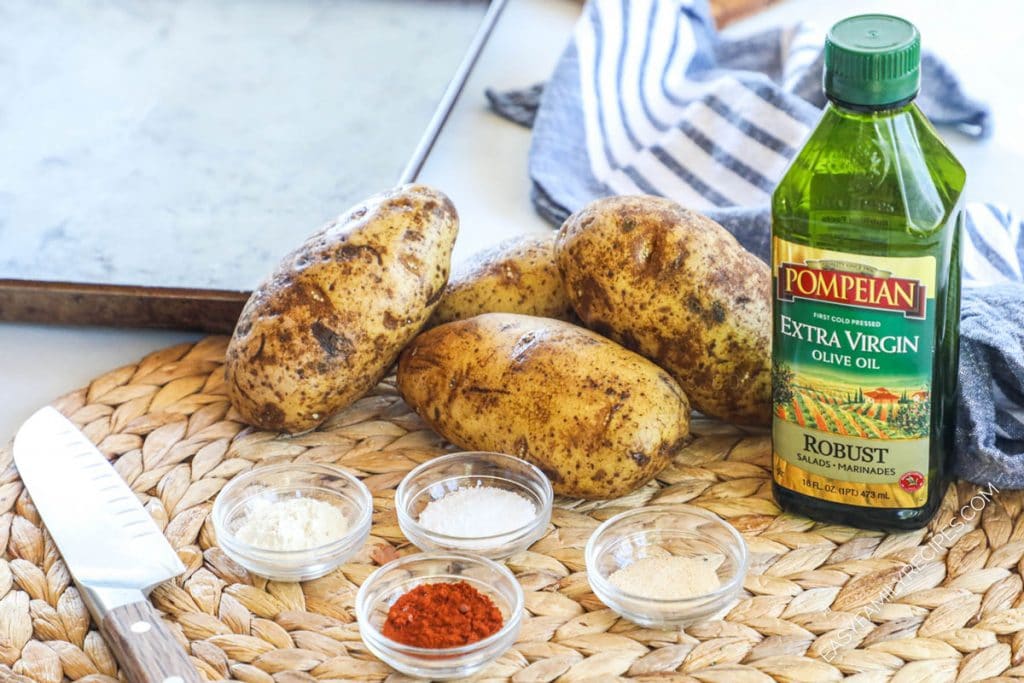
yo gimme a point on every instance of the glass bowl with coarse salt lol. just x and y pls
(292, 522)
(491, 504)
(666, 566)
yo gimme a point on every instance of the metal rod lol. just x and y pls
(451, 94)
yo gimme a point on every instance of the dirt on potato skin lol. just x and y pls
(679, 289)
(598, 419)
(518, 275)
(329, 322)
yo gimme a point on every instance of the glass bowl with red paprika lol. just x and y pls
(439, 615)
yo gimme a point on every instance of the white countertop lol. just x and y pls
(480, 162)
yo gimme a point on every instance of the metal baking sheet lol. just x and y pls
(176, 149)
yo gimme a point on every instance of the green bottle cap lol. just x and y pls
(872, 59)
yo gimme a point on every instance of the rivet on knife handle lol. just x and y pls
(145, 648)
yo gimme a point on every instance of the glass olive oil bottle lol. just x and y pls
(866, 300)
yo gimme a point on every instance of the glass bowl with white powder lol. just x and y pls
(666, 566)
(292, 522)
(491, 504)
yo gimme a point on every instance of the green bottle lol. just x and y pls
(866, 301)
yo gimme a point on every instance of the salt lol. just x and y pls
(477, 511)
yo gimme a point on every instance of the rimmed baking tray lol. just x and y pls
(159, 158)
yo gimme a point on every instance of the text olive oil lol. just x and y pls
(866, 300)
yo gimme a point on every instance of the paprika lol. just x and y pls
(442, 615)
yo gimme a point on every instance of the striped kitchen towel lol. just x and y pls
(649, 99)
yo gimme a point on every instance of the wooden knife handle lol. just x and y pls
(145, 649)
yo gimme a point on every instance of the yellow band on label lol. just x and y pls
(885, 495)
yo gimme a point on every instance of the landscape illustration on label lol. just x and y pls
(850, 409)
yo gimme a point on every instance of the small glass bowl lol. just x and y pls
(275, 482)
(382, 588)
(659, 531)
(437, 478)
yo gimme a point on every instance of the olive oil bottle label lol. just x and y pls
(852, 375)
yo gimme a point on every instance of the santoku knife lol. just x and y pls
(112, 547)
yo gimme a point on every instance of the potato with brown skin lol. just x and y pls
(327, 324)
(598, 419)
(518, 275)
(679, 289)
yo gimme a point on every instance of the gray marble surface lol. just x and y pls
(193, 142)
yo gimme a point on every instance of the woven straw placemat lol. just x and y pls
(820, 602)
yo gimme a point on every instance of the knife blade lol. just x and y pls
(111, 546)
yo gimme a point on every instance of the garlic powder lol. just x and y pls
(292, 524)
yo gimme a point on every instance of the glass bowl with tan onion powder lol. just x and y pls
(491, 504)
(666, 566)
(292, 522)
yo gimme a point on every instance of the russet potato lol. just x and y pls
(518, 275)
(332, 318)
(598, 419)
(677, 288)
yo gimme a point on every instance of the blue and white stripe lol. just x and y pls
(993, 246)
(661, 117)
(648, 99)
(668, 107)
